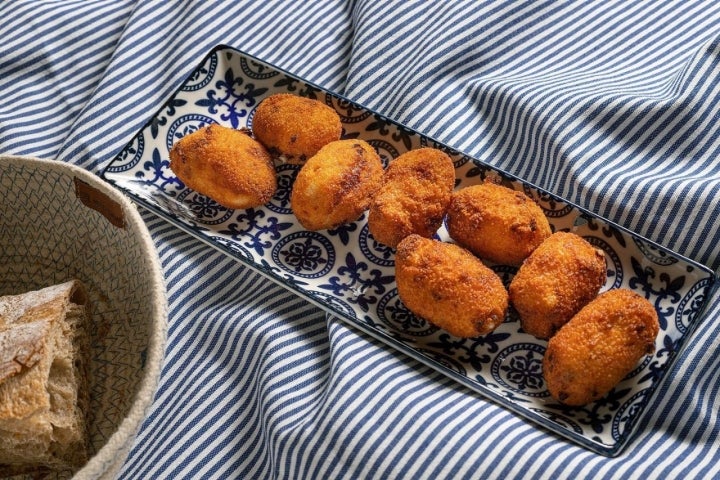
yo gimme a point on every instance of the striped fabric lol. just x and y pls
(611, 104)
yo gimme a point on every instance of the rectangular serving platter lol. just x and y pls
(351, 276)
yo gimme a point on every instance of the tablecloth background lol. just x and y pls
(613, 105)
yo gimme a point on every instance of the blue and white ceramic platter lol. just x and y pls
(351, 276)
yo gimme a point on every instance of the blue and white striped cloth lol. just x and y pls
(612, 104)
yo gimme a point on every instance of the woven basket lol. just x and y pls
(59, 222)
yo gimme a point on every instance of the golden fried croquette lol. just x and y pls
(595, 350)
(562, 275)
(449, 287)
(414, 196)
(336, 185)
(225, 164)
(294, 127)
(496, 223)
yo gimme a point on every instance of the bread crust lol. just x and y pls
(44, 401)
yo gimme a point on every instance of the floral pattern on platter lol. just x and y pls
(306, 254)
(130, 156)
(352, 276)
(519, 368)
(396, 316)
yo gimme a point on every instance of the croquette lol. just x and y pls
(496, 223)
(295, 128)
(449, 287)
(562, 275)
(226, 165)
(595, 350)
(414, 196)
(336, 185)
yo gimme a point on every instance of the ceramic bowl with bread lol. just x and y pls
(83, 317)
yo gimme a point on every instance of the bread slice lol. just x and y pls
(44, 394)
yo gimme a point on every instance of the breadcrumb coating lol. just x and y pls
(595, 350)
(225, 164)
(562, 275)
(336, 185)
(414, 196)
(496, 223)
(295, 127)
(449, 287)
